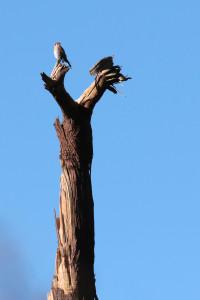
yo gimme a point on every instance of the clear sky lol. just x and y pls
(146, 167)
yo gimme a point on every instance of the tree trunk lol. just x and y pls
(74, 267)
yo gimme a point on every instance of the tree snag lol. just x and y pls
(74, 277)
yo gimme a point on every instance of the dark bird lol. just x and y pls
(103, 64)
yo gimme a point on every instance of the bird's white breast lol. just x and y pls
(57, 53)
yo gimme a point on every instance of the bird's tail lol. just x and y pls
(68, 63)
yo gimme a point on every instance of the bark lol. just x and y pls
(74, 277)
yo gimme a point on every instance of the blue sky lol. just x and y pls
(146, 167)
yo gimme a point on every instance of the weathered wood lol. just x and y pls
(74, 267)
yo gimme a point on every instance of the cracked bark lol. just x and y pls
(74, 277)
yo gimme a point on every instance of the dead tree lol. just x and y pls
(74, 267)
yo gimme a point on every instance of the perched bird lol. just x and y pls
(59, 53)
(103, 64)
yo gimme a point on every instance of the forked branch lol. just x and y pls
(107, 76)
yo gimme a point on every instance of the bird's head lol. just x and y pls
(57, 44)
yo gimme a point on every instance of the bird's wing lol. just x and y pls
(61, 50)
(63, 54)
(103, 64)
